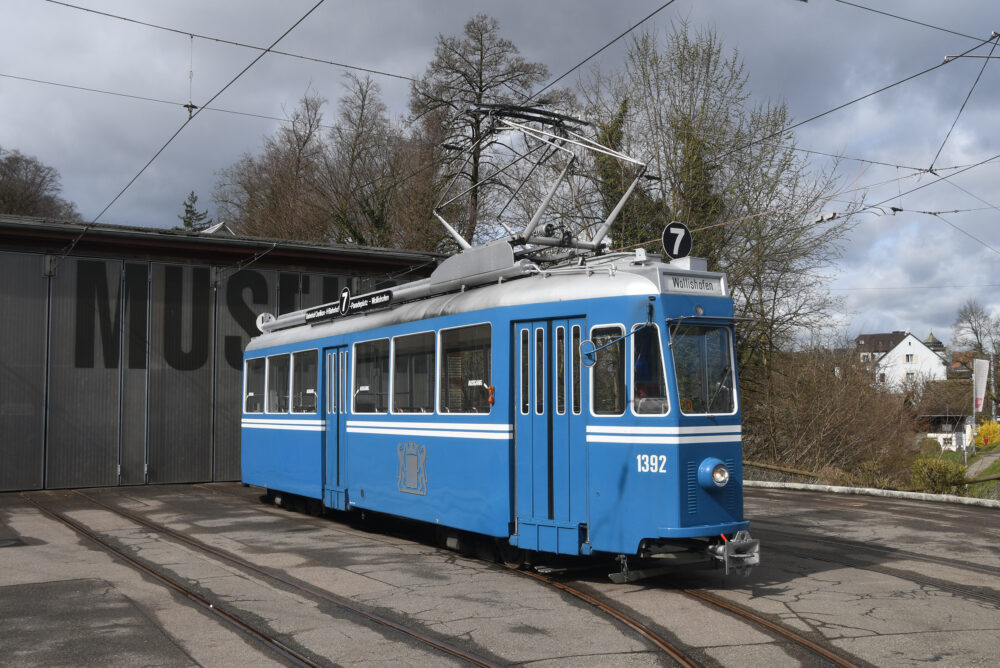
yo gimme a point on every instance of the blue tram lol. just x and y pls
(589, 406)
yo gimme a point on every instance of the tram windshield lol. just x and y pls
(649, 390)
(703, 364)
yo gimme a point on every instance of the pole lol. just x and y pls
(993, 390)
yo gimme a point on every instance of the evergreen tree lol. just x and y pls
(193, 219)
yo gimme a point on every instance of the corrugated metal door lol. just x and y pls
(84, 352)
(23, 315)
(181, 374)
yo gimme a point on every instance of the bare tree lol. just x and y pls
(270, 194)
(975, 329)
(30, 188)
(360, 183)
(371, 186)
(978, 331)
(479, 67)
(730, 172)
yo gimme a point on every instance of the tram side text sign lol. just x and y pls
(349, 305)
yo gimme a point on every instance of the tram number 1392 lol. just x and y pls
(651, 463)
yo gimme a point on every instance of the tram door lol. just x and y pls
(550, 499)
(334, 446)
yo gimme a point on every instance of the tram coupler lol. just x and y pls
(741, 552)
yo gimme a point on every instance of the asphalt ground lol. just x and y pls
(882, 581)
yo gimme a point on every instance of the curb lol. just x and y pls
(868, 491)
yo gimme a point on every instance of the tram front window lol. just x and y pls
(703, 364)
(649, 388)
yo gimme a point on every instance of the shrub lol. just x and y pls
(988, 430)
(937, 476)
(929, 446)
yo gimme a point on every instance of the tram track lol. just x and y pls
(261, 635)
(680, 656)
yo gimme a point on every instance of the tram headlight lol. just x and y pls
(713, 473)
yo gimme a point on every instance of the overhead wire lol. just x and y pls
(212, 99)
(146, 99)
(793, 126)
(230, 42)
(76, 240)
(908, 20)
(599, 51)
(965, 102)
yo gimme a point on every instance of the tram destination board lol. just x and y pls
(349, 305)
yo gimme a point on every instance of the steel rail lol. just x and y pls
(270, 642)
(669, 648)
(337, 601)
(816, 648)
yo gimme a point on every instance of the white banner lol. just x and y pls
(980, 369)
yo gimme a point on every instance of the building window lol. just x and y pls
(909, 359)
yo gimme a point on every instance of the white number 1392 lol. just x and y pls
(651, 463)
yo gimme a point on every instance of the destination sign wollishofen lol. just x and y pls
(349, 306)
(692, 284)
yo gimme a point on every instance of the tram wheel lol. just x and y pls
(511, 557)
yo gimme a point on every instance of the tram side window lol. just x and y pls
(703, 366)
(649, 387)
(277, 383)
(465, 369)
(254, 400)
(413, 373)
(304, 381)
(608, 373)
(371, 376)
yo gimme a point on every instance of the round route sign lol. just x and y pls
(676, 240)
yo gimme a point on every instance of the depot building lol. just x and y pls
(121, 347)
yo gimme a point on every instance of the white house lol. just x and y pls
(908, 362)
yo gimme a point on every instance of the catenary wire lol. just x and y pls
(793, 126)
(903, 18)
(212, 99)
(221, 40)
(76, 240)
(600, 50)
(964, 102)
(146, 99)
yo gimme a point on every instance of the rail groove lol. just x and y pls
(669, 648)
(340, 603)
(260, 636)
(813, 647)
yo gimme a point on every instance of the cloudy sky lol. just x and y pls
(906, 270)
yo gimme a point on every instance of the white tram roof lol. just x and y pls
(609, 276)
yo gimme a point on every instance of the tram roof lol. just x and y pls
(614, 278)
